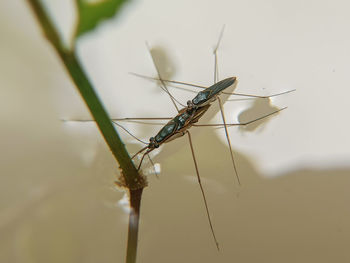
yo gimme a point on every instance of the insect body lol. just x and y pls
(178, 125)
(185, 119)
(187, 116)
(210, 94)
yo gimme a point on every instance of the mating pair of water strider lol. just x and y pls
(189, 116)
(186, 117)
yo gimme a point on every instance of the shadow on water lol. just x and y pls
(165, 65)
(260, 107)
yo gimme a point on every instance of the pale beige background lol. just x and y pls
(57, 199)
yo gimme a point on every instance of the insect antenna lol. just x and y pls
(143, 156)
(117, 124)
(120, 126)
(149, 157)
(140, 151)
(202, 190)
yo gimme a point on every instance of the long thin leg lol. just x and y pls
(143, 120)
(204, 87)
(133, 120)
(216, 70)
(261, 97)
(228, 140)
(154, 167)
(143, 156)
(202, 190)
(216, 77)
(125, 119)
(220, 125)
(119, 125)
(167, 80)
(126, 130)
(165, 88)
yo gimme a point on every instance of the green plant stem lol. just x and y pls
(89, 95)
(133, 180)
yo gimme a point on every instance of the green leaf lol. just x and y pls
(91, 13)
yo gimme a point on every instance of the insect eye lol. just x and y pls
(153, 142)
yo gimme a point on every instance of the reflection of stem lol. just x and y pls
(134, 216)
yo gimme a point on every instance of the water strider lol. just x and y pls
(188, 117)
(185, 119)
